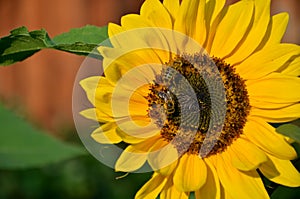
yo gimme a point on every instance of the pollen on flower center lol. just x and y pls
(169, 98)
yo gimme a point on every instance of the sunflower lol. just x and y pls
(192, 88)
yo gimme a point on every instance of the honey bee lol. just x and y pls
(177, 63)
(169, 103)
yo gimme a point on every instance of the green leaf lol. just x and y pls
(82, 41)
(23, 146)
(88, 34)
(21, 44)
(290, 130)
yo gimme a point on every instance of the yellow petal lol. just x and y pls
(255, 34)
(277, 28)
(293, 69)
(117, 62)
(246, 184)
(104, 108)
(149, 34)
(147, 144)
(213, 10)
(104, 91)
(232, 28)
(111, 53)
(137, 40)
(154, 11)
(89, 114)
(114, 29)
(186, 23)
(152, 188)
(281, 171)
(133, 137)
(113, 70)
(170, 191)
(211, 188)
(131, 159)
(90, 85)
(163, 158)
(264, 135)
(200, 33)
(129, 102)
(137, 108)
(100, 95)
(106, 134)
(267, 60)
(96, 115)
(172, 6)
(132, 21)
(140, 93)
(186, 17)
(257, 103)
(125, 102)
(275, 88)
(131, 129)
(129, 138)
(190, 20)
(104, 114)
(168, 169)
(190, 174)
(225, 194)
(244, 155)
(286, 114)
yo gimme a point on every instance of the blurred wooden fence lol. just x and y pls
(42, 85)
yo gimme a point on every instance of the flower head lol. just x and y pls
(191, 88)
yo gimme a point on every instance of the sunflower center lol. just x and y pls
(180, 102)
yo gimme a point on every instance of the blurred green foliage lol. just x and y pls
(79, 178)
(24, 146)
